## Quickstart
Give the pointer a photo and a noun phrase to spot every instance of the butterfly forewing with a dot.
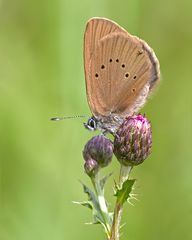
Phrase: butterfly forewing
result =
(96, 29)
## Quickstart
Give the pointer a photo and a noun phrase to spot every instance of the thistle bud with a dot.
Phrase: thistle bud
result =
(133, 140)
(100, 149)
(91, 167)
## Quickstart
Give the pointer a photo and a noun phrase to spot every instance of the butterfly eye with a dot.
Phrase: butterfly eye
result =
(92, 123)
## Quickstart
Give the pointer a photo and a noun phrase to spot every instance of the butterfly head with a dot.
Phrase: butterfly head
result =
(105, 124)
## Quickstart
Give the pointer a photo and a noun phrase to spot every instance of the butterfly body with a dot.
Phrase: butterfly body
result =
(120, 71)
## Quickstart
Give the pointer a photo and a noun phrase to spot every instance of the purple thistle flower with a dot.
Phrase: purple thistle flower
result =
(133, 140)
(100, 149)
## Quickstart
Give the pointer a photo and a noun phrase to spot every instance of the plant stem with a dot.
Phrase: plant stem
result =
(102, 203)
(124, 175)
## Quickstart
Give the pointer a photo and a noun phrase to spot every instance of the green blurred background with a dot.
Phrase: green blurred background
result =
(41, 76)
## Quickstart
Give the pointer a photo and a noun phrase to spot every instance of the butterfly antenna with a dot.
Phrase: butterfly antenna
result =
(67, 117)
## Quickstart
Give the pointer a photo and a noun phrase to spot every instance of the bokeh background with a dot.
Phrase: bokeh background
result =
(41, 76)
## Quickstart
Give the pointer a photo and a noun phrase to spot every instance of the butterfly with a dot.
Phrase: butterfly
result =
(121, 71)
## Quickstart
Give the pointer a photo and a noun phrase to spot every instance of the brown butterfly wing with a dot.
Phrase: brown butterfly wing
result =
(120, 70)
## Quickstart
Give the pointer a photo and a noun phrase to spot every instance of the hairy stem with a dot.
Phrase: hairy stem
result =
(124, 175)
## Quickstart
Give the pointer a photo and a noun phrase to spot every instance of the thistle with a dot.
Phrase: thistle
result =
(132, 145)
(100, 149)
(133, 141)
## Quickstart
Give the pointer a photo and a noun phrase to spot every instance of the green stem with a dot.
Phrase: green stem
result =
(124, 175)
(102, 203)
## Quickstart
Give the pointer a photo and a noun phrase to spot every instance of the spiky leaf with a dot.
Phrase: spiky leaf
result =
(87, 204)
(123, 194)
(91, 197)
(97, 215)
